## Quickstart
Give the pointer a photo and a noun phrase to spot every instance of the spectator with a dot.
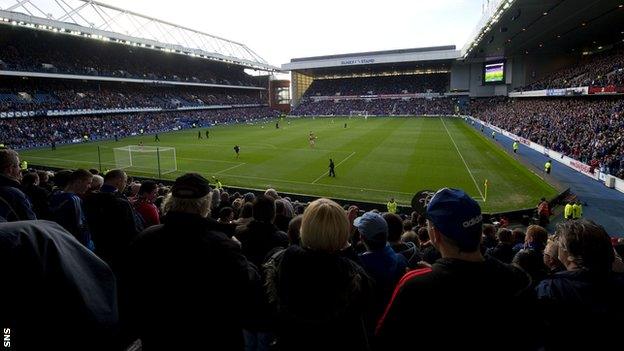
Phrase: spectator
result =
(207, 278)
(144, 204)
(51, 277)
(315, 290)
(503, 251)
(531, 258)
(282, 217)
(245, 216)
(544, 212)
(407, 249)
(489, 237)
(113, 221)
(429, 252)
(551, 257)
(14, 204)
(67, 207)
(226, 215)
(586, 292)
(96, 183)
(261, 236)
(380, 261)
(38, 195)
(461, 285)
(294, 230)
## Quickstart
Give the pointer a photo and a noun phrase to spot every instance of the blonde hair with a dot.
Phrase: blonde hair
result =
(200, 206)
(324, 226)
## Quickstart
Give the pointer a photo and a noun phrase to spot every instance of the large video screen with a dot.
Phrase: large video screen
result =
(494, 72)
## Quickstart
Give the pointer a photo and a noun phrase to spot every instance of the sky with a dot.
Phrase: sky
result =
(279, 30)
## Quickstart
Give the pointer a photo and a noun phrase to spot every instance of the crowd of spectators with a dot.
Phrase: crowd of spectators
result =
(589, 130)
(43, 131)
(379, 107)
(37, 95)
(397, 84)
(599, 69)
(38, 51)
(126, 262)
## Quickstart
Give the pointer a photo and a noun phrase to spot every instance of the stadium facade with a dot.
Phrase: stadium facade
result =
(523, 39)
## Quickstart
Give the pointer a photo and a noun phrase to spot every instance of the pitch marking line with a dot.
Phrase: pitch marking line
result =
(462, 157)
(230, 168)
(326, 173)
(318, 184)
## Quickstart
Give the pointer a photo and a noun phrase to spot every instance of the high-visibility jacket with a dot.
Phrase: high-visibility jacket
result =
(577, 211)
(567, 211)
(392, 206)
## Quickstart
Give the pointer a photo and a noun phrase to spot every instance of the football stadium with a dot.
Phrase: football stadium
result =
(164, 188)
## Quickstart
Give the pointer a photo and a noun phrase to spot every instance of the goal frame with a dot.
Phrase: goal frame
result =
(157, 151)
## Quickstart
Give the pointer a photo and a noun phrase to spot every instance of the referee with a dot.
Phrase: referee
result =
(332, 173)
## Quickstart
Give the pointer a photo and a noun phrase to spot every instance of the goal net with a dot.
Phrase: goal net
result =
(156, 160)
(358, 113)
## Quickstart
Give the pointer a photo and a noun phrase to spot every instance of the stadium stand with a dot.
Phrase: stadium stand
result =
(42, 131)
(38, 95)
(586, 129)
(396, 84)
(35, 51)
(599, 69)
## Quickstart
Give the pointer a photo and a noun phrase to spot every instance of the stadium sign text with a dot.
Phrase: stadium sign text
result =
(357, 62)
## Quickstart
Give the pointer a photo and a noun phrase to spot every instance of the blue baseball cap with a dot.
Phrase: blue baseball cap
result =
(372, 226)
(457, 216)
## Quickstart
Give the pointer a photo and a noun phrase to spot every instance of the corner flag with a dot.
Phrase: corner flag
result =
(486, 189)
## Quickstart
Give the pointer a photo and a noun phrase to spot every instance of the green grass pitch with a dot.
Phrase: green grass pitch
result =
(376, 158)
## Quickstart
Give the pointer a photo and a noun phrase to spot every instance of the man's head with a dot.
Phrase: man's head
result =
(264, 209)
(116, 178)
(455, 221)
(536, 235)
(504, 236)
(96, 183)
(148, 191)
(272, 193)
(30, 179)
(79, 181)
(395, 226)
(373, 229)
(489, 231)
(584, 244)
(9, 164)
(189, 194)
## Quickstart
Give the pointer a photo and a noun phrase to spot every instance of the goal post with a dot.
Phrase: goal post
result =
(153, 160)
(358, 114)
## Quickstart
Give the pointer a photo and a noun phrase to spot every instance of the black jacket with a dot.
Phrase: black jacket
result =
(39, 198)
(451, 300)
(502, 252)
(592, 302)
(258, 239)
(319, 300)
(56, 294)
(113, 223)
(183, 286)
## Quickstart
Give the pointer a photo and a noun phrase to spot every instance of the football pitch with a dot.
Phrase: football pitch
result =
(376, 158)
